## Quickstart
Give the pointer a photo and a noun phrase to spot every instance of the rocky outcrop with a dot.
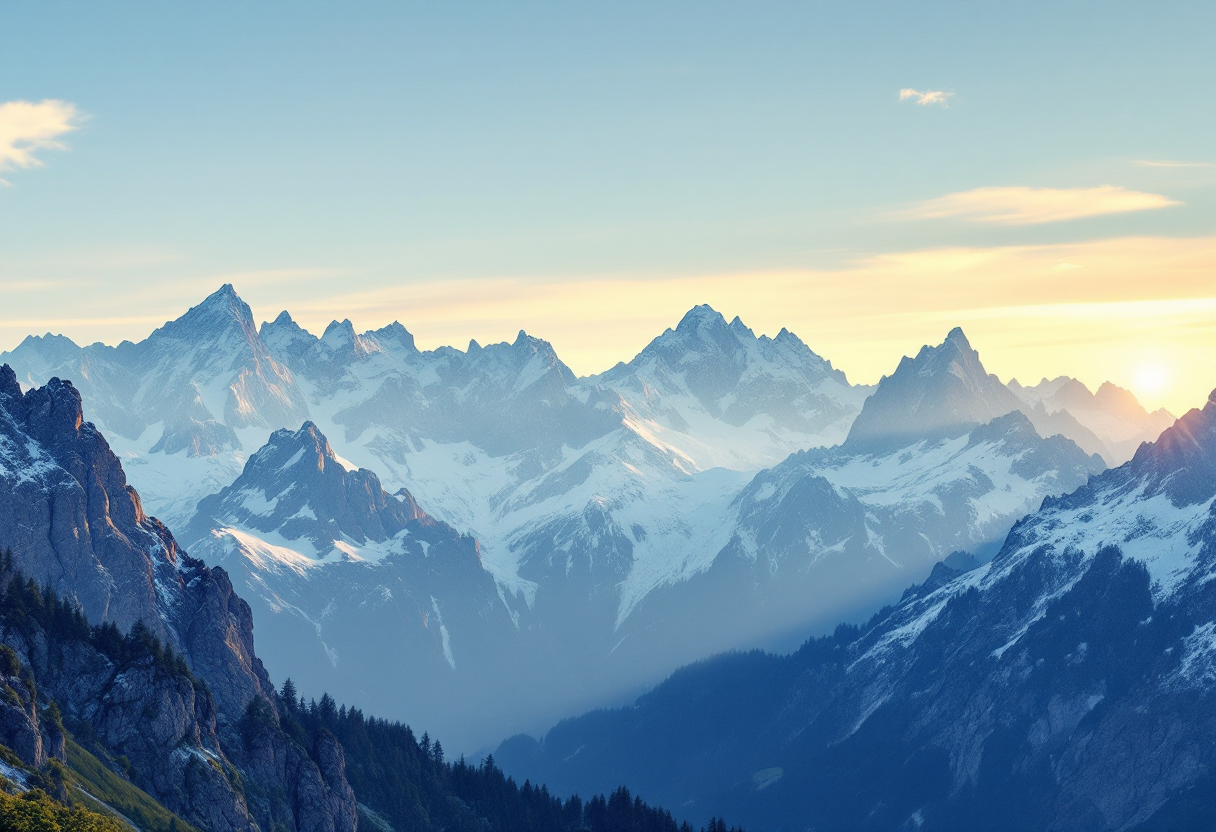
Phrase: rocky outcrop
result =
(75, 525)
(20, 730)
(144, 708)
(66, 508)
(314, 781)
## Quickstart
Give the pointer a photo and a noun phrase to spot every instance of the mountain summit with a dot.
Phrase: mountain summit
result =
(944, 391)
(298, 487)
(720, 395)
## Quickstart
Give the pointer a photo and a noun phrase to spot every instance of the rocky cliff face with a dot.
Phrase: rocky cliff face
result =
(160, 719)
(20, 729)
(74, 524)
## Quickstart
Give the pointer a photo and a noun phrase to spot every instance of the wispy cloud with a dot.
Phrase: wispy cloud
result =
(938, 97)
(1031, 206)
(1165, 163)
(27, 127)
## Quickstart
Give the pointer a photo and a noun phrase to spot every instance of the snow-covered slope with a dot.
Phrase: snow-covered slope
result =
(833, 533)
(717, 395)
(1112, 415)
(1066, 684)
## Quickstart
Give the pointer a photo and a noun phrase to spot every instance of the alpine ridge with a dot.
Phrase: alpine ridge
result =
(1065, 684)
(589, 534)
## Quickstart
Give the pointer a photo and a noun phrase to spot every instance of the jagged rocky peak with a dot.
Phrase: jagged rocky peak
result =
(393, 336)
(716, 354)
(704, 320)
(705, 325)
(213, 349)
(518, 365)
(284, 447)
(340, 336)
(1182, 462)
(954, 355)
(943, 391)
(283, 336)
(530, 346)
(219, 312)
(222, 319)
(326, 358)
(297, 485)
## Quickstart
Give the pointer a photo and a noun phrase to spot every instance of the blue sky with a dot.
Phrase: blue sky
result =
(589, 171)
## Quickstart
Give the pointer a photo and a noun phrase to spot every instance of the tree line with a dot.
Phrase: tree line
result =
(410, 782)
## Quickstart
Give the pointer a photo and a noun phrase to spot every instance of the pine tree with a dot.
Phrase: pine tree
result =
(288, 693)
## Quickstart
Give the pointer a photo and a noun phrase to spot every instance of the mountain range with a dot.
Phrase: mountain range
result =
(1064, 684)
(133, 698)
(544, 543)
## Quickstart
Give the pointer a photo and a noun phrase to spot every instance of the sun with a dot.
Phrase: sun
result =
(1151, 378)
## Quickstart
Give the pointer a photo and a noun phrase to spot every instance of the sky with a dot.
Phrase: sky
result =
(867, 175)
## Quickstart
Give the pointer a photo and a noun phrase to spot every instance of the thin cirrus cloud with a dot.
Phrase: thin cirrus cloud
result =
(1032, 206)
(1166, 163)
(27, 127)
(938, 97)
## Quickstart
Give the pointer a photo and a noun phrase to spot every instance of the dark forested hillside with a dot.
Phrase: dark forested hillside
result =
(402, 782)
(408, 782)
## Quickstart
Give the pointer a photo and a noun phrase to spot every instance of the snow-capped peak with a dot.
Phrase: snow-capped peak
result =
(220, 308)
(297, 487)
(943, 391)
(393, 336)
(340, 337)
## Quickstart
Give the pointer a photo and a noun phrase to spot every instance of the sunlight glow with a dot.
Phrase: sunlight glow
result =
(1151, 379)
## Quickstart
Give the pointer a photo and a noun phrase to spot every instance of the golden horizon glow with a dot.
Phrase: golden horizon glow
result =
(1077, 309)
(1084, 310)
